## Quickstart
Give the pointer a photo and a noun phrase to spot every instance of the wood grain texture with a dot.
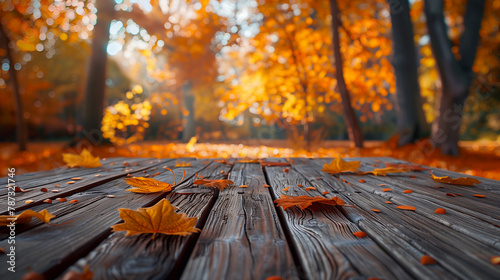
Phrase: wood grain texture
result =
(140, 257)
(324, 237)
(408, 235)
(243, 238)
(91, 219)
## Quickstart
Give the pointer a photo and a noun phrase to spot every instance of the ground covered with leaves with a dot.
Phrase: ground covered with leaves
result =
(476, 158)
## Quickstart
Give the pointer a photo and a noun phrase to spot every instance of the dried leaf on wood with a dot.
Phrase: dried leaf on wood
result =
(84, 159)
(160, 218)
(383, 171)
(149, 185)
(25, 217)
(338, 165)
(182, 164)
(456, 181)
(220, 184)
(305, 201)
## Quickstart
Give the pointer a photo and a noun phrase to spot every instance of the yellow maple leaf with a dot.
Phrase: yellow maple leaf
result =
(220, 184)
(455, 181)
(25, 217)
(84, 159)
(383, 171)
(160, 218)
(338, 165)
(182, 164)
(150, 185)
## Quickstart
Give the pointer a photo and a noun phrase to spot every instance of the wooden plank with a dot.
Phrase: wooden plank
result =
(87, 182)
(91, 219)
(243, 238)
(140, 257)
(323, 236)
(408, 235)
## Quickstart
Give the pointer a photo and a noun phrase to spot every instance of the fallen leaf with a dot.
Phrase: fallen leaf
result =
(25, 217)
(110, 196)
(310, 188)
(182, 164)
(286, 170)
(325, 192)
(285, 189)
(450, 194)
(243, 186)
(362, 181)
(28, 201)
(47, 200)
(383, 171)
(479, 195)
(440, 211)
(220, 184)
(150, 185)
(70, 182)
(266, 186)
(388, 202)
(62, 199)
(359, 234)
(495, 260)
(455, 181)
(305, 201)
(76, 178)
(425, 260)
(412, 167)
(160, 218)
(18, 189)
(85, 159)
(381, 185)
(375, 210)
(405, 207)
(458, 194)
(73, 201)
(386, 190)
(299, 185)
(338, 165)
(407, 191)
(43, 190)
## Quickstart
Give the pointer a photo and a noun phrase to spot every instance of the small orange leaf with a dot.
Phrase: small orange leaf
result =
(375, 210)
(62, 199)
(47, 200)
(495, 260)
(388, 202)
(220, 184)
(458, 194)
(76, 178)
(386, 190)
(359, 234)
(305, 201)
(381, 185)
(450, 194)
(479, 195)
(70, 182)
(28, 201)
(160, 218)
(43, 190)
(426, 260)
(182, 164)
(338, 165)
(405, 207)
(310, 188)
(110, 196)
(362, 181)
(73, 201)
(407, 191)
(25, 217)
(266, 186)
(18, 189)
(286, 170)
(285, 189)
(299, 185)
(456, 181)
(84, 159)
(325, 192)
(243, 186)
(440, 211)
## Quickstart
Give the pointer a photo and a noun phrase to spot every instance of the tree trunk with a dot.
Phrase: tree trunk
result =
(21, 129)
(411, 119)
(456, 75)
(96, 75)
(353, 129)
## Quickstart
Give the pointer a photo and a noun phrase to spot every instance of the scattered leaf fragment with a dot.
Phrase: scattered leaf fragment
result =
(110, 196)
(405, 207)
(362, 181)
(57, 185)
(84, 159)
(495, 260)
(149, 185)
(441, 211)
(381, 185)
(70, 182)
(76, 178)
(62, 199)
(243, 186)
(325, 192)
(55, 191)
(182, 164)
(386, 190)
(47, 200)
(338, 165)
(266, 186)
(426, 260)
(455, 181)
(299, 185)
(388, 202)
(450, 194)
(28, 201)
(73, 201)
(310, 188)
(43, 190)
(97, 175)
(375, 210)
(359, 234)
(479, 195)
(285, 189)
(159, 218)
(18, 189)
(407, 191)
(220, 184)
(286, 170)
(458, 194)
(305, 201)
(25, 217)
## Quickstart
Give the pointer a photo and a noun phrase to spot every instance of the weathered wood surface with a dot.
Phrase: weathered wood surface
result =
(244, 236)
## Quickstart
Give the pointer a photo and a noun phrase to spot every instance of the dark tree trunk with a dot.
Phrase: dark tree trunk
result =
(95, 86)
(189, 128)
(21, 129)
(411, 119)
(456, 75)
(352, 125)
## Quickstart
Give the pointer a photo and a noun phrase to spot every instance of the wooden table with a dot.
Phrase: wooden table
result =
(245, 236)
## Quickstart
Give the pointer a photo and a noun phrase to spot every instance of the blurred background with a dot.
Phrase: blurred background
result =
(416, 80)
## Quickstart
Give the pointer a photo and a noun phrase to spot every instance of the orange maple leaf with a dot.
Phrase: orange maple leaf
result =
(383, 171)
(25, 217)
(220, 184)
(84, 159)
(412, 167)
(338, 165)
(149, 185)
(456, 181)
(305, 201)
(182, 164)
(160, 218)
